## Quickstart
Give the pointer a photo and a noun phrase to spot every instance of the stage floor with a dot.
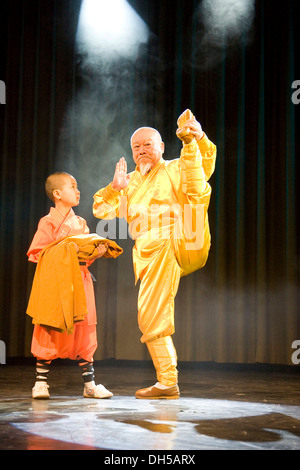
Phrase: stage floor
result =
(220, 408)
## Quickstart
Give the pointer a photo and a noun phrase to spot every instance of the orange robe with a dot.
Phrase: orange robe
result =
(47, 343)
(57, 298)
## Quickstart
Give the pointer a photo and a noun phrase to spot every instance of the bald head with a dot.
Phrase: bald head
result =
(147, 147)
(55, 181)
(150, 131)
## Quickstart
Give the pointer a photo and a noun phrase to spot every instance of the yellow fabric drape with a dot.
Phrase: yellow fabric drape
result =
(57, 298)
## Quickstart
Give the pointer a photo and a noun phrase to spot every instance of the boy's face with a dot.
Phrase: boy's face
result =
(68, 194)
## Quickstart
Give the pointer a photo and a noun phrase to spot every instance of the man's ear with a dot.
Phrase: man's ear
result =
(162, 146)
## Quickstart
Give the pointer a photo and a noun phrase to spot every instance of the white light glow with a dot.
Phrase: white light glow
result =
(227, 18)
(110, 27)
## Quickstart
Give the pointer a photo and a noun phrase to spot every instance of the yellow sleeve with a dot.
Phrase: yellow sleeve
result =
(106, 203)
(209, 152)
(192, 175)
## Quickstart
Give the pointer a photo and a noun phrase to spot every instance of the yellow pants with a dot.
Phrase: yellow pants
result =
(158, 288)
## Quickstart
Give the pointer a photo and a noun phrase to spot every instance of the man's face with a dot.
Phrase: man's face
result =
(147, 147)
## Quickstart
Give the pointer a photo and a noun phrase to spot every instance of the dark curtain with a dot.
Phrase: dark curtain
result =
(243, 306)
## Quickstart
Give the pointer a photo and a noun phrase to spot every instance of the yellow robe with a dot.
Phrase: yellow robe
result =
(167, 215)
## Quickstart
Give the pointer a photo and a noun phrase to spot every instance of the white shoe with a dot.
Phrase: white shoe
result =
(40, 390)
(98, 392)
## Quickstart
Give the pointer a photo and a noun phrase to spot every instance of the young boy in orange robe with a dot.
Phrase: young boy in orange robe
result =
(49, 344)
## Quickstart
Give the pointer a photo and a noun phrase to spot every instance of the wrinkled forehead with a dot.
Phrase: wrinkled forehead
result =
(145, 133)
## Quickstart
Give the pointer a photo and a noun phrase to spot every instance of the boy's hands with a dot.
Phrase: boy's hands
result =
(76, 246)
(101, 250)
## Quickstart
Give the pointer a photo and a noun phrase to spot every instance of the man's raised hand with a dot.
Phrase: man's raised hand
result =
(121, 178)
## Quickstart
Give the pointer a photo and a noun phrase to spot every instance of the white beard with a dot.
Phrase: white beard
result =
(145, 168)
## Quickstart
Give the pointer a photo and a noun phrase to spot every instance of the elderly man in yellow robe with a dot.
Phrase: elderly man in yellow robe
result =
(165, 203)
